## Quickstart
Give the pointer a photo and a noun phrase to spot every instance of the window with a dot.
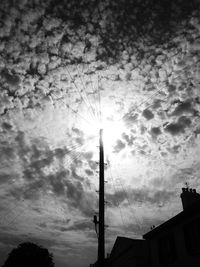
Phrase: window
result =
(192, 237)
(166, 249)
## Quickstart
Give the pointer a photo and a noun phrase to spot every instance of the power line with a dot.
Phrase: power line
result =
(143, 102)
(84, 88)
(78, 155)
(99, 94)
(74, 111)
(9, 223)
(94, 93)
(132, 211)
(79, 93)
(118, 204)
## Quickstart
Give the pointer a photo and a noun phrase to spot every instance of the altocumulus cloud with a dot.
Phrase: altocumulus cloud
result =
(143, 58)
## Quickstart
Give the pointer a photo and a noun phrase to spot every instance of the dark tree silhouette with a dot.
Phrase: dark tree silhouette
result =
(29, 254)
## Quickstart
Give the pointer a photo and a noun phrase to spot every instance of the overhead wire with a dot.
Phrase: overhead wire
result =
(94, 93)
(79, 116)
(9, 223)
(75, 157)
(125, 117)
(79, 92)
(68, 106)
(93, 90)
(15, 217)
(100, 111)
(74, 149)
(99, 94)
(84, 89)
(77, 113)
(138, 221)
(93, 110)
(93, 114)
(133, 213)
(5, 217)
(118, 204)
(78, 154)
(74, 146)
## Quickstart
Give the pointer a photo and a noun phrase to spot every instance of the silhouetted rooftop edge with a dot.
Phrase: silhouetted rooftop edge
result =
(195, 208)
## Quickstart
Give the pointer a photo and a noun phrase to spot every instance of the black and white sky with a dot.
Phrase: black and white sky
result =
(64, 64)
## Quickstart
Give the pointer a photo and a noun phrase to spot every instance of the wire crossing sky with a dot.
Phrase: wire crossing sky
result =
(67, 69)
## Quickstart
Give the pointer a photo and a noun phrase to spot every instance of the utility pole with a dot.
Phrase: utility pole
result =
(101, 240)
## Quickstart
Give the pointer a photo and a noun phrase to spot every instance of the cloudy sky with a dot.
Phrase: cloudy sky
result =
(70, 67)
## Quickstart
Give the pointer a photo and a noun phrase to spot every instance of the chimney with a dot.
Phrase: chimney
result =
(189, 197)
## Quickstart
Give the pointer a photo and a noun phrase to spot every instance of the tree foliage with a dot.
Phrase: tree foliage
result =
(29, 254)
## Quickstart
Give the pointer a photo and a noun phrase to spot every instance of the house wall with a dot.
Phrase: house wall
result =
(129, 260)
(182, 257)
(135, 257)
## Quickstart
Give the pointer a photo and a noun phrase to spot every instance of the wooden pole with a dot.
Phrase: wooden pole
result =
(101, 241)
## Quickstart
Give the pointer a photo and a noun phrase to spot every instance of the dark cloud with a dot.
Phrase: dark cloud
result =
(142, 152)
(75, 191)
(172, 88)
(128, 138)
(143, 129)
(75, 175)
(179, 126)
(93, 164)
(79, 226)
(183, 108)
(155, 132)
(148, 114)
(119, 146)
(42, 225)
(130, 118)
(79, 140)
(11, 79)
(77, 131)
(79, 198)
(32, 190)
(156, 104)
(175, 149)
(197, 131)
(57, 182)
(60, 153)
(154, 21)
(133, 152)
(116, 198)
(6, 126)
(35, 158)
(62, 185)
(148, 196)
(23, 148)
(88, 155)
(7, 151)
(5, 178)
(89, 172)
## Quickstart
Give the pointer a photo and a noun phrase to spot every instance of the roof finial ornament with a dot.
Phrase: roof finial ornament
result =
(187, 185)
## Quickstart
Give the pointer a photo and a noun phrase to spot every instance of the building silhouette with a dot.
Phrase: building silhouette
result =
(174, 243)
(128, 252)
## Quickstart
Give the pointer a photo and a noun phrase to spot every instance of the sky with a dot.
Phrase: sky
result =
(68, 68)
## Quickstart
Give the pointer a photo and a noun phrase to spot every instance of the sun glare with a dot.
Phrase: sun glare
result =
(112, 131)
